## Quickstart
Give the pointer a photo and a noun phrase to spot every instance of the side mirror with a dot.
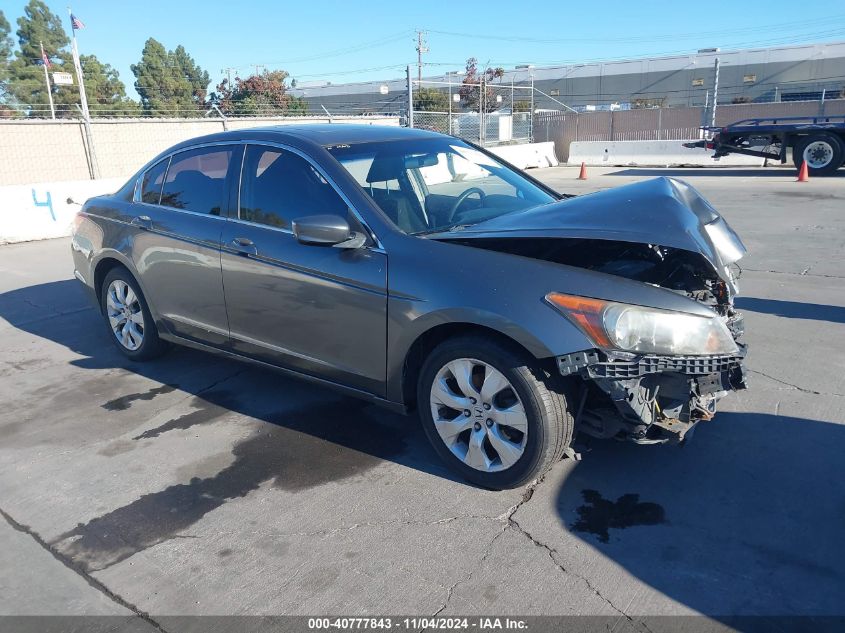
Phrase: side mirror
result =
(326, 230)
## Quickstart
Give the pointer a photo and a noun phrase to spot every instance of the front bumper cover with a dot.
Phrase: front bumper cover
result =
(654, 398)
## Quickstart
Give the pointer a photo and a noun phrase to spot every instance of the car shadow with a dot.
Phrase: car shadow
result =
(792, 309)
(61, 312)
(722, 172)
(747, 519)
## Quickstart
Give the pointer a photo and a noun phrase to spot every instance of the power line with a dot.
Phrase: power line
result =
(785, 26)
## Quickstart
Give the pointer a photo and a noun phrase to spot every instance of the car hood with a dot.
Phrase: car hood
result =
(662, 212)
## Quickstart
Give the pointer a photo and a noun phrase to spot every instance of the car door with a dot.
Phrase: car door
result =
(181, 209)
(321, 310)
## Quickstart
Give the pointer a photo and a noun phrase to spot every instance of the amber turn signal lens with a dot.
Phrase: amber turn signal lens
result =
(585, 312)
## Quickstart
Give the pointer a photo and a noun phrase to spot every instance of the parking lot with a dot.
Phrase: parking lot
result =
(197, 485)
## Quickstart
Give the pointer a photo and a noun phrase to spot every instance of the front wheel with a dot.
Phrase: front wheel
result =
(823, 154)
(492, 413)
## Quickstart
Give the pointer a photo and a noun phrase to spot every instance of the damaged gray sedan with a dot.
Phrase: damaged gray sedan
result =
(424, 274)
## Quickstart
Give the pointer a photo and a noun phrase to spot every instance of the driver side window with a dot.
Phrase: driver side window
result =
(279, 186)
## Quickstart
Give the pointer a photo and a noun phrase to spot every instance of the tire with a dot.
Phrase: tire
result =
(127, 317)
(824, 152)
(501, 456)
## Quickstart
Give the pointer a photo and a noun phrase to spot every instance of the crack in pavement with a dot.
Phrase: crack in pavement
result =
(79, 571)
(504, 518)
(509, 522)
(803, 273)
(794, 386)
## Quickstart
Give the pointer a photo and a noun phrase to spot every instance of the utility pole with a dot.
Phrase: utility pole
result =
(257, 66)
(228, 72)
(421, 48)
(715, 92)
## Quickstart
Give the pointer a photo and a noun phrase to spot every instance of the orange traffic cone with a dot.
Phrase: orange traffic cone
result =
(583, 174)
(803, 174)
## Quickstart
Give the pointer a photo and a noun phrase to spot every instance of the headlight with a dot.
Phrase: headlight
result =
(633, 328)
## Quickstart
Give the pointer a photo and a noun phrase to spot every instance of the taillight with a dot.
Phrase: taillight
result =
(77, 221)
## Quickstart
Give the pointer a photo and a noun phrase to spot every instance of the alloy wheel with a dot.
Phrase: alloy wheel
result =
(478, 415)
(126, 318)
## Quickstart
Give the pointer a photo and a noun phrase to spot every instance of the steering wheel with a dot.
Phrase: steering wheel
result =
(466, 194)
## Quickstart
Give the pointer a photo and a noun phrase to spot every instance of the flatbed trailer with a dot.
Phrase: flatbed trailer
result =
(818, 140)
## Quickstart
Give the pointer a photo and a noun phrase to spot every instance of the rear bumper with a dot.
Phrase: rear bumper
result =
(651, 399)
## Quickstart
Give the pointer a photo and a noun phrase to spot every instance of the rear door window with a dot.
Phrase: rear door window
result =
(196, 180)
(151, 184)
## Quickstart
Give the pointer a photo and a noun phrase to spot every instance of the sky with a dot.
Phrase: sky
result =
(360, 41)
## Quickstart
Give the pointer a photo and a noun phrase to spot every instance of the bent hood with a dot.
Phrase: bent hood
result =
(662, 211)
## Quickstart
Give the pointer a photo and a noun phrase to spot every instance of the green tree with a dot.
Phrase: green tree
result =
(265, 93)
(105, 91)
(431, 100)
(195, 76)
(6, 44)
(170, 83)
(26, 74)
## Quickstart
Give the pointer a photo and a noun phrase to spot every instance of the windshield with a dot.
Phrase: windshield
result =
(433, 185)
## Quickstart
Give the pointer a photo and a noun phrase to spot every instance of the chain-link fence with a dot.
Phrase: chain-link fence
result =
(485, 112)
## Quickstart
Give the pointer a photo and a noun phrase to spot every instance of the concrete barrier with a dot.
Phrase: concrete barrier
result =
(650, 154)
(41, 211)
(528, 155)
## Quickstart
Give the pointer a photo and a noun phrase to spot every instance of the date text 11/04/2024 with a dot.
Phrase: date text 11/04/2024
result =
(416, 624)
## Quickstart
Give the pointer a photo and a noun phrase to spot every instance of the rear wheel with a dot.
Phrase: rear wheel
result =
(491, 412)
(823, 153)
(128, 316)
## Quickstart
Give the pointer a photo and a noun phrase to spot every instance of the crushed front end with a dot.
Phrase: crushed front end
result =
(650, 399)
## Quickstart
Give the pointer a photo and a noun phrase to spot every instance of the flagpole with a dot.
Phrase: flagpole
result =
(47, 81)
(78, 66)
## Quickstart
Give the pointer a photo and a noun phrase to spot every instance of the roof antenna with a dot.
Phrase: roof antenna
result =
(328, 114)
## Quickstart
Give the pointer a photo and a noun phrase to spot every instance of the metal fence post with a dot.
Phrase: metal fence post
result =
(481, 130)
(659, 122)
(410, 97)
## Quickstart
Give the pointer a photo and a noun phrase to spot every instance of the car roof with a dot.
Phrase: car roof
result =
(322, 134)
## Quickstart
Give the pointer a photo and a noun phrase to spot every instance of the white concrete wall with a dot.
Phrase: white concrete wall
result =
(528, 155)
(650, 154)
(41, 211)
(47, 151)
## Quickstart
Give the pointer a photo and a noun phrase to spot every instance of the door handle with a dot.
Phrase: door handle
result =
(244, 246)
(142, 221)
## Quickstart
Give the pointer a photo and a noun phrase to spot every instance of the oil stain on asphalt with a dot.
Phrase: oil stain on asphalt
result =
(206, 413)
(297, 450)
(598, 515)
(124, 402)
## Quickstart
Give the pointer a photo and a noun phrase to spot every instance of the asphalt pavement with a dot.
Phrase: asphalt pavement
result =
(198, 485)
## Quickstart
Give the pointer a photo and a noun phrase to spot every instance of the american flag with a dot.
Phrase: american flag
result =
(44, 59)
(76, 23)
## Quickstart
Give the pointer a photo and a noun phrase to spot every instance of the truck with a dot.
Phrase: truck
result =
(817, 140)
